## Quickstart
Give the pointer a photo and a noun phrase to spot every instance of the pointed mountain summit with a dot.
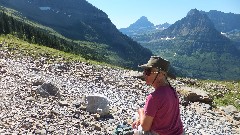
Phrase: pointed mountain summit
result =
(143, 26)
(143, 22)
(193, 12)
(195, 26)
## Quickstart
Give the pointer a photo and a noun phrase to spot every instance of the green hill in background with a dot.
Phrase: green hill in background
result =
(84, 30)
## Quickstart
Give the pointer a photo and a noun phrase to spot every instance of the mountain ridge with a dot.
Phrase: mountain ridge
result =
(83, 22)
(224, 22)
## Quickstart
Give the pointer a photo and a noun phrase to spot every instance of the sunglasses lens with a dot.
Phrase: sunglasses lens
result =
(147, 71)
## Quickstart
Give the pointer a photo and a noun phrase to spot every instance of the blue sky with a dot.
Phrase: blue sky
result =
(125, 12)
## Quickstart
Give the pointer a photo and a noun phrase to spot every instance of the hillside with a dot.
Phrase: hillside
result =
(80, 21)
(196, 48)
(234, 35)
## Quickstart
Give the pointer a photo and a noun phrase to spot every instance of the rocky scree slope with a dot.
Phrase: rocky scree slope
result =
(24, 111)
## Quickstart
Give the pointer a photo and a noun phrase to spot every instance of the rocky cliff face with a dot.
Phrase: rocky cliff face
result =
(224, 22)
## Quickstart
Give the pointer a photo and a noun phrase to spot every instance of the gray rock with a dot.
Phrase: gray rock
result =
(97, 127)
(196, 95)
(51, 129)
(37, 82)
(63, 103)
(48, 89)
(30, 99)
(237, 116)
(41, 131)
(97, 104)
(230, 109)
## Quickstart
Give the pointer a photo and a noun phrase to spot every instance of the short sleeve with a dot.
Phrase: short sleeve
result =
(151, 105)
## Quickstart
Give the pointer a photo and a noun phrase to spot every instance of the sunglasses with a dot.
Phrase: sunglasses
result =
(147, 71)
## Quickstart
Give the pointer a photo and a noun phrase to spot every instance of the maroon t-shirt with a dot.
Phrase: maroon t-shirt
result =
(163, 105)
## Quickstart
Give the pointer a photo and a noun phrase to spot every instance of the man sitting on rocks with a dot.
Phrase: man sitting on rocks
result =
(161, 113)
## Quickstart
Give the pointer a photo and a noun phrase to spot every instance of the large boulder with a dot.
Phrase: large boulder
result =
(195, 95)
(97, 104)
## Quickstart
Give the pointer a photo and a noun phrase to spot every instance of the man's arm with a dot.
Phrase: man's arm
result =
(145, 120)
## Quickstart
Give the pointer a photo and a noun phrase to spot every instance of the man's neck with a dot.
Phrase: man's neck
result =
(159, 84)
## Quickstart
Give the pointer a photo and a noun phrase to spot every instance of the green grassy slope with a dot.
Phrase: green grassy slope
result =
(18, 48)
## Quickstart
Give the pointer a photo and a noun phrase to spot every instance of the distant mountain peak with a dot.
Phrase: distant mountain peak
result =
(143, 18)
(143, 22)
(194, 26)
(143, 25)
(197, 19)
(193, 12)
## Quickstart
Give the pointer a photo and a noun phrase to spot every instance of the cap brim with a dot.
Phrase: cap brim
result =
(145, 66)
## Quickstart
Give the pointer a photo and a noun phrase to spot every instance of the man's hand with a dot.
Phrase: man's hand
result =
(135, 124)
(145, 120)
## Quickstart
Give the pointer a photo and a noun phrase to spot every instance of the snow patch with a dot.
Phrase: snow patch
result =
(167, 38)
(223, 33)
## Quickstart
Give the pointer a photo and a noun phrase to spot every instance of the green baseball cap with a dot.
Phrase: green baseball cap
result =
(159, 63)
